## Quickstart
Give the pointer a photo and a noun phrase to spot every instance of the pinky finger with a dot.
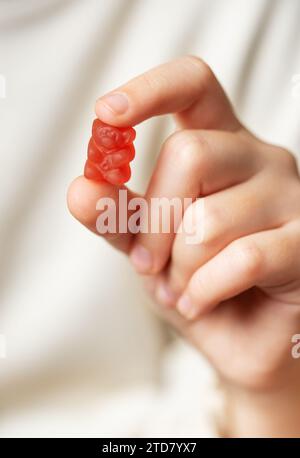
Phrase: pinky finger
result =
(265, 259)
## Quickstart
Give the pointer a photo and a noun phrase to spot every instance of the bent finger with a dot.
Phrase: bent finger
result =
(264, 259)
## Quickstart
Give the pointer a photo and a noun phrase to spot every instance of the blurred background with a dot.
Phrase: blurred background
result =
(84, 355)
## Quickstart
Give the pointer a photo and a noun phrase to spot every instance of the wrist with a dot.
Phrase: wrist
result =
(262, 413)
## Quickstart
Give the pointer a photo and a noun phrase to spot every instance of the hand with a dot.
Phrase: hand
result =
(236, 295)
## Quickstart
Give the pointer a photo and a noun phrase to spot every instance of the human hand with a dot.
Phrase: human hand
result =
(236, 295)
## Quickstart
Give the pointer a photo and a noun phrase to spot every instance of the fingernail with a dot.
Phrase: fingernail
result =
(116, 103)
(186, 307)
(141, 259)
(165, 294)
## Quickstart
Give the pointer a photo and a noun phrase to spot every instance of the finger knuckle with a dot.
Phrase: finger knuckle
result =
(204, 71)
(213, 222)
(249, 257)
(188, 151)
(285, 159)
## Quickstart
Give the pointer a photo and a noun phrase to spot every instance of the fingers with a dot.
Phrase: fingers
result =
(186, 87)
(85, 204)
(191, 163)
(224, 217)
(263, 259)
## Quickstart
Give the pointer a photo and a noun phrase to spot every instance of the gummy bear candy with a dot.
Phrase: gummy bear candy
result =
(110, 150)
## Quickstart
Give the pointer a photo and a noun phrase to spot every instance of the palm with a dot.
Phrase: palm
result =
(247, 339)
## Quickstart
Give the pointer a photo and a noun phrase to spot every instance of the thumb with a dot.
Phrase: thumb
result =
(84, 197)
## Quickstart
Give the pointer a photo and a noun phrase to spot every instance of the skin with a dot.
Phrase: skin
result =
(236, 295)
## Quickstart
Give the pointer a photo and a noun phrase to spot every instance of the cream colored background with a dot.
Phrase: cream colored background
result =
(84, 354)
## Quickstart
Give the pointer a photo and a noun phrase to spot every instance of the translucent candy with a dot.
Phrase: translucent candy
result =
(110, 150)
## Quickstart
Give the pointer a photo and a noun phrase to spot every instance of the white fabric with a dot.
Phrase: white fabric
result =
(84, 354)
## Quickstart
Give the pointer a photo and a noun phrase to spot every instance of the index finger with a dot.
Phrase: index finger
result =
(186, 87)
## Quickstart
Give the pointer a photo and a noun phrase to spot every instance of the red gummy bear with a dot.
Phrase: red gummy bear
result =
(109, 152)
